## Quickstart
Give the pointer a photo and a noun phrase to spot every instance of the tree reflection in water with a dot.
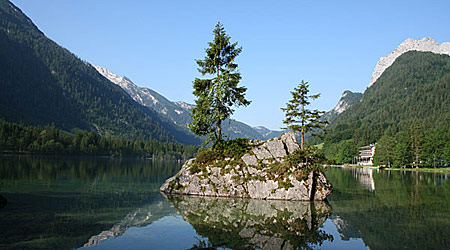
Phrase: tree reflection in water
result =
(248, 224)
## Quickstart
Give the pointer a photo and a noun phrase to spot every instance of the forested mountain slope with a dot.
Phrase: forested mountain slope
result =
(415, 87)
(43, 83)
(409, 105)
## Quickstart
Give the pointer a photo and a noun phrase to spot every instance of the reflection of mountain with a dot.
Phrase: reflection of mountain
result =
(138, 218)
(250, 223)
(59, 203)
(345, 231)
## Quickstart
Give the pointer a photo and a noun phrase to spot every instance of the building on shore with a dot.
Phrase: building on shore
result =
(366, 154)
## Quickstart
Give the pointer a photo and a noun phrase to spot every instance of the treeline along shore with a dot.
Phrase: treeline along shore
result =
(48, 140)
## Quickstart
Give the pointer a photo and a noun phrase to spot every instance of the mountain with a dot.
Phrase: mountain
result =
(415, 87)
(406, 111)
(267, 133)
(348, 98)
(179, 112)
(426, 44)
(44, 83)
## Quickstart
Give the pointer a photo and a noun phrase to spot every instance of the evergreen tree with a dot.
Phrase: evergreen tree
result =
(217, 95)
(298, 117)
(402, 152)
(384, 152)
(415, 136)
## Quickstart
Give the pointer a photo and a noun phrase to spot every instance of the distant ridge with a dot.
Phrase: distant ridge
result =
(43, 83)
(179, 112)
(426, 44)
(348, 98)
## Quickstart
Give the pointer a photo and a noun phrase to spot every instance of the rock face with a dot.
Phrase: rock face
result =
(426, 44)
(177, 112)
(255, 176)
(255, 224)
(348, 98)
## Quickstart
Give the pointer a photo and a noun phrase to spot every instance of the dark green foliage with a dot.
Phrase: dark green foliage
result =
(216, 96)
(342, 152)
(298, 117)
(411, 100)
(307, 156)
(299, 164)
(415, 136)
(233, 149)
(44, 83)
(385, 151)
(19, 138)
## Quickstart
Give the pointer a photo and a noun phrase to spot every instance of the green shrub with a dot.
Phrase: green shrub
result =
(233, 149)
(308, 156)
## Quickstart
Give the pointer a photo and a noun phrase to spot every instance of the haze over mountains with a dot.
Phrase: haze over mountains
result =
(43, 83)
(179, 112)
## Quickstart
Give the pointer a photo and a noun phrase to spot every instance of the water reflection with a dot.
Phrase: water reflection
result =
(365, 177)
(410, 210)
(61, 203)
(140, 217)
(250, 224)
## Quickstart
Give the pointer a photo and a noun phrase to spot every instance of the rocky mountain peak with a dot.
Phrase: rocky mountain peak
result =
(185, 105)
(109, 75)
(348, 98)
(426, 44)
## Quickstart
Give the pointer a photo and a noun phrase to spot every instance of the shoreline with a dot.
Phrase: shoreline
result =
(424, 169)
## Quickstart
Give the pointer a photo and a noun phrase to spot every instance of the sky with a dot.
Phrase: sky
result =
(333, 45)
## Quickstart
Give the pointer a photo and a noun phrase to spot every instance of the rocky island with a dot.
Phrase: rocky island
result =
(252, 169)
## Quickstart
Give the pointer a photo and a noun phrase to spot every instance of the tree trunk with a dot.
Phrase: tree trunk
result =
(303, 125)
(219, 121)
(417, 157)
(219, 129)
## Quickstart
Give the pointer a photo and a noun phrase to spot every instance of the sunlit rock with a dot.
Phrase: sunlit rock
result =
(253, 176)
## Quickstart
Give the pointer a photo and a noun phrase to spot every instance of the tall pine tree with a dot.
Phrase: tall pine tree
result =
(217, 95)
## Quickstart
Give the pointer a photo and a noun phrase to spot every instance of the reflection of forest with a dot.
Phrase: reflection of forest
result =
(410, 210)
(60, 203)
(248, 223)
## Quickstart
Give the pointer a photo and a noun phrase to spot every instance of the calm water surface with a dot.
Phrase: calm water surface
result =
(59, 203)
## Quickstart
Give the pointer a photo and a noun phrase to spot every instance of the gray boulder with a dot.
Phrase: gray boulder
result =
(254, 177)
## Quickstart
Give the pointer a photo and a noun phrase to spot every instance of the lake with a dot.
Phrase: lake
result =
(102, 203)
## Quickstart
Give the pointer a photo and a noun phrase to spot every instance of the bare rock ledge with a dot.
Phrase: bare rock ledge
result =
(252, 178)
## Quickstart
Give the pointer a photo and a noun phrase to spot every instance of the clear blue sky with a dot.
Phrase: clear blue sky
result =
(334, 45)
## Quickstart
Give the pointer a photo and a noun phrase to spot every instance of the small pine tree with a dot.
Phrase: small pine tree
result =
(298, 117)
